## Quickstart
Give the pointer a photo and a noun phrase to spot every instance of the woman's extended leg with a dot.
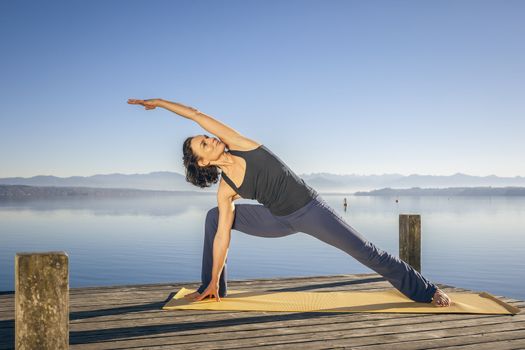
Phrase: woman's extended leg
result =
(253, 219)
(324, 223)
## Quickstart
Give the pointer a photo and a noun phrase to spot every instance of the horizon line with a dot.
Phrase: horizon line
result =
(302, 174)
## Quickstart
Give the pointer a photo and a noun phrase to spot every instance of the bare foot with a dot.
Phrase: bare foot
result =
(441, 299)
(192, 295)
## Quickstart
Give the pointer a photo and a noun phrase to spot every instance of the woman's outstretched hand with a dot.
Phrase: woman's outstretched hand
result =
(212, 290)
(148, 104)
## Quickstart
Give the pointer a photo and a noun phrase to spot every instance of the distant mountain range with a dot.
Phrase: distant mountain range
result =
(454, 191)
(160, 181)
(322, 182)
(352, 183)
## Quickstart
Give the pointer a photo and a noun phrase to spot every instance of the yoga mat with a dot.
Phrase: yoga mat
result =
(390, 300)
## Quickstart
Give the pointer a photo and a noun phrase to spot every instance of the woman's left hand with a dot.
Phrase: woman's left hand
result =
(151, 103)
(212, 290)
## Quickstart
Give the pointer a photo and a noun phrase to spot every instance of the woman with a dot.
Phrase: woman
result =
(250, 170)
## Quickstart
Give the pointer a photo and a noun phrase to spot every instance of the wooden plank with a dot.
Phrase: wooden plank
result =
(225, 329)
(511, 344)
(337, 334)
(479, 340)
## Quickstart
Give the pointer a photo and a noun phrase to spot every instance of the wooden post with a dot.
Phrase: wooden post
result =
(410, 240)
(41, 301)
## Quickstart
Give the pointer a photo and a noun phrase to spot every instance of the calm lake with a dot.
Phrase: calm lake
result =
(470, 242)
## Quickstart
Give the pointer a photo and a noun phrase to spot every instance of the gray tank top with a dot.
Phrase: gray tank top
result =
(271, 182)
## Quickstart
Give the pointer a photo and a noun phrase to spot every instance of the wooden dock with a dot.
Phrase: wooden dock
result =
(131, 317)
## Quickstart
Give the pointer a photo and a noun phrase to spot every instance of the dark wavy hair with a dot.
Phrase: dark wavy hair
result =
(195, 174)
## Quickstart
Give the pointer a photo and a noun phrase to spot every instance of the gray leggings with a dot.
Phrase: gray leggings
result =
(319, 220)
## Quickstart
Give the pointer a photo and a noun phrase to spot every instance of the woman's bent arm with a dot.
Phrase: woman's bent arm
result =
(222, 239)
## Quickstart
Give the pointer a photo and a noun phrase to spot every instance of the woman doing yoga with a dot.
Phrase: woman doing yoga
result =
(288, 205)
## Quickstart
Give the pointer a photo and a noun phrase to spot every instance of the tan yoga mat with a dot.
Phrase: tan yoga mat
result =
(390, 300)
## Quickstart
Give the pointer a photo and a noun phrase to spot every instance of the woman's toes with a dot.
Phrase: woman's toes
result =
(191, 295)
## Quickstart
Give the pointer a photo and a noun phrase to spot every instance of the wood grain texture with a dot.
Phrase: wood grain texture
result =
(130, 317)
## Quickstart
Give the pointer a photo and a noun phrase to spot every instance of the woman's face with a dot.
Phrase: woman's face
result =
(207, 148)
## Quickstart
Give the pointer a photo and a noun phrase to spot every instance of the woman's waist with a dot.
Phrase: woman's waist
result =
(295, 210)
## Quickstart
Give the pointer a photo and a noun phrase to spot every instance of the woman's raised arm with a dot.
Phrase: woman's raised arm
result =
(208, 123)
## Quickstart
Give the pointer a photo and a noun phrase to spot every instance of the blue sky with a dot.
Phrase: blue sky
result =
(363, 87)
